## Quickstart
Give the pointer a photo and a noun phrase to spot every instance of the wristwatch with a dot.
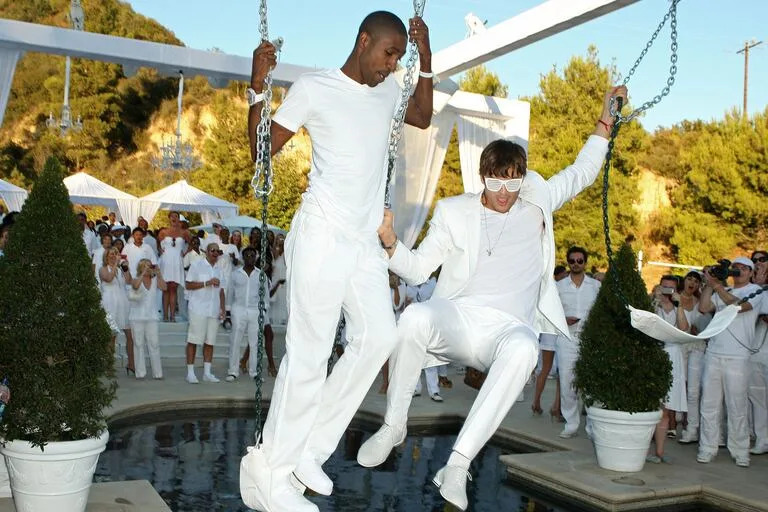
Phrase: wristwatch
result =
(253, 97)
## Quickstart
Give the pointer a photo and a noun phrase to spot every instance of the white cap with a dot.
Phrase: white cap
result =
(744, 261)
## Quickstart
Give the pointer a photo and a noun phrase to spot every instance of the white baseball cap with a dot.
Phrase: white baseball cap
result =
(744, 261)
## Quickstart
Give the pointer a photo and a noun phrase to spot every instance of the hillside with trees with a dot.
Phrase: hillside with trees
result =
(713, 175)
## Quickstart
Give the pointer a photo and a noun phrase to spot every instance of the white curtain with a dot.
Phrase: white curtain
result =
(474, 134)
(8, 60)
(209, 216)
(129, 210)
(414, 188)
(148, 209)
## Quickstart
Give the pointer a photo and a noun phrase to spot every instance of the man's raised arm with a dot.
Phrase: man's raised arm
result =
(419, 112)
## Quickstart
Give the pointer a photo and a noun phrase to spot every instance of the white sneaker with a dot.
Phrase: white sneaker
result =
(568, 433)
(230, 378)
(689, 436)
(192, 379)
(259, 492)
(209, 377)
(376, 449)
(759, 449)
(704, 457)
(436, 397)
(452, 482)
(311, 474)
(742, 462)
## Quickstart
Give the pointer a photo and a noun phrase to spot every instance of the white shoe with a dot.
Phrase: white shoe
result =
(209, 377)
(376, 449)
(759, 449)
(192, 379)
(689, 436)
(259, 492)
(742, 462)
(230, 378)
(452, 482)
(704, 457)
(436, 397)
(568, 433)
(310, 474)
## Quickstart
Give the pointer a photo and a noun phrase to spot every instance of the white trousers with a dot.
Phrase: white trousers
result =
(694, 363)
(145, 336)
(482, 338)
(724, 378)
(566, 354)
(327, 271)
(244, 321)
(758, 398)
(430, 376)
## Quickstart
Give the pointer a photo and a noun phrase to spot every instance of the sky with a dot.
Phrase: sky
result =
(710, 77)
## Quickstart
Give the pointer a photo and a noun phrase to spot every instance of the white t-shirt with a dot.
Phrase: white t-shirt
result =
(741, 332)
(134, 254)
(244, 289)
(509, 278)
(349, 125)
(145, 308)
(577, 300)
(204, 301)
(225, 261)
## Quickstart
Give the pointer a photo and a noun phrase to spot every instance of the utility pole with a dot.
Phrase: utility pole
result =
(745, 51)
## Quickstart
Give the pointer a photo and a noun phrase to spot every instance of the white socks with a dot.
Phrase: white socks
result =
(207, 369)
(190, 369)
(457, 459)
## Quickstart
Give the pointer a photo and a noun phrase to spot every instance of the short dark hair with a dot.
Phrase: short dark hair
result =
(140, 230)
(576, 248)
(758, 252)
(671, 277)
(499, 156)
(249, 249)
(694, 274)
(559, 269)
(381, 21)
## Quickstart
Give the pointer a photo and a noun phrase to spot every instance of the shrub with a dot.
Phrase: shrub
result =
(619, 368)
(54, 338)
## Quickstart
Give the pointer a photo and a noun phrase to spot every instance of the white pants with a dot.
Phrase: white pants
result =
(758, 398)
(566, 354)
(482, 338)
(430, 375)
(244, 321)
(724, 378)
(327, 270)
(145, 335)
(694, 368)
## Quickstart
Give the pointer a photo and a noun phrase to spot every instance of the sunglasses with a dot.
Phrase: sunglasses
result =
(576, 261)
(495, 184)
(760, 259)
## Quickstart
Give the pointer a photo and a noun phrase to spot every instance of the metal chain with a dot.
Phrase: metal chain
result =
(262, 187)
(399, 119)
(672, 16)
(752, 295)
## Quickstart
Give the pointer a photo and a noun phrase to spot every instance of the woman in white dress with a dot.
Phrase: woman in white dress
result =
(173, 241)
(113, 275)
(143, 317)
(667, 301)
(693, 355)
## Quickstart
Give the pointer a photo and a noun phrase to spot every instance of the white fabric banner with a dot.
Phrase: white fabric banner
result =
(474, 134)
(655, 326)
(8, 60)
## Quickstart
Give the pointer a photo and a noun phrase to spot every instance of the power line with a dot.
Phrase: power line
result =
(745, 51)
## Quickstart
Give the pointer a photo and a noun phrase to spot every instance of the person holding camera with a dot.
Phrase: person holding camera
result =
(113, 275)
(143, 316)
(667, 300)
(138, 250)
(726, 362)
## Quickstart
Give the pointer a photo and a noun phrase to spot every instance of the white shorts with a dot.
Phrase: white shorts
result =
(547, 341)
(202, 329)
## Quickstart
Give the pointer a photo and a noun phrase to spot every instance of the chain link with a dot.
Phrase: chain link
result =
(672, 17)
(399, 119)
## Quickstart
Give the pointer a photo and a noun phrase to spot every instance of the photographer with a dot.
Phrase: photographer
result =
(726, 363)
(143, 316)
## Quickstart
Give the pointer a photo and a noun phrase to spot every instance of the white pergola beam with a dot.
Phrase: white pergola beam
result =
(542, 21)
(166, 58)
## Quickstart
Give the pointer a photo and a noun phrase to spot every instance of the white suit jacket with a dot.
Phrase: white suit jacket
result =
(453, 240)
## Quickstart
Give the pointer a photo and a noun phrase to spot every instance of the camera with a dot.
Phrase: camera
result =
(124, 266)
(722, 270)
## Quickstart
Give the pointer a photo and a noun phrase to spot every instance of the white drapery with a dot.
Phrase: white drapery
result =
(474, 134)
(655, 326)
(184, 197)
(86, 190)
(8, 60)
(13, 196)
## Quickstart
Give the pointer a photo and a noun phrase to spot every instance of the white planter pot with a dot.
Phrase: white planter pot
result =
(621, 439)
(58, 478)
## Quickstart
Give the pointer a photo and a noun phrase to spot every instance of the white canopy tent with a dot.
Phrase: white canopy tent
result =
(184, 197)
(13, 196)
(242, 222)
(86, 190)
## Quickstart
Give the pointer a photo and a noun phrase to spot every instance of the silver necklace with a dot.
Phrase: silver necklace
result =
(490, 249)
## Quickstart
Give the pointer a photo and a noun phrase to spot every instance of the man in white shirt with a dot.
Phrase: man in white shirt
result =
(577, 293)
(149, 239)
(495, 295)
(334, 258)
(228, 261)
(244, 286)
(138, 250)
(726, 364)
(206, 309)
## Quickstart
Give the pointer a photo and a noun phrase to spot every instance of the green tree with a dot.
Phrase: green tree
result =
(54, 338)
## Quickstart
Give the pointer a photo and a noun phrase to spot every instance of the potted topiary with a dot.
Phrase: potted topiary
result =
(55, 351)
(622, 374)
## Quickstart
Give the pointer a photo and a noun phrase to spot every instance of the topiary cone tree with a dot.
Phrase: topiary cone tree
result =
(54, 338)
(619, 368)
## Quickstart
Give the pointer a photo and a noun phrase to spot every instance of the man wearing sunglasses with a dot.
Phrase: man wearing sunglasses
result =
(495, 295)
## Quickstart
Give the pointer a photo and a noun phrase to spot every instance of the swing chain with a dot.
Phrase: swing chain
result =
(672, 16)
(399, 119)
(263, 164)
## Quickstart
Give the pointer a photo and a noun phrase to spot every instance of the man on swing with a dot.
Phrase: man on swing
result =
(334, 260)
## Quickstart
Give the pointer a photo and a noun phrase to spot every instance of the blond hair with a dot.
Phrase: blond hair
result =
(106, 254)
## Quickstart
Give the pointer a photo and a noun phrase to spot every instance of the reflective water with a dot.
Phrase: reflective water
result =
(194, 466)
